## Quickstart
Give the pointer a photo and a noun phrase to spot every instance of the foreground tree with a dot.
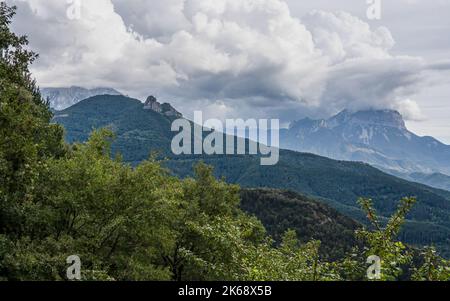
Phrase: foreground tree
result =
(381, 241)
(434, 268)
(26, 135)
(27, 138)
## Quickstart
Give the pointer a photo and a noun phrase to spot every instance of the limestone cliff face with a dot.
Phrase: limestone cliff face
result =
(166, 109)
(377, 137)
(152, 104)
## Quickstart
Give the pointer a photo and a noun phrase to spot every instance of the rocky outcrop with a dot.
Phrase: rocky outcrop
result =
(152, 104)
(377, 137)
(166, 109)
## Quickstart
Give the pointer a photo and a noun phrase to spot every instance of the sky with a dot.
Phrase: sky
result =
(252, 58)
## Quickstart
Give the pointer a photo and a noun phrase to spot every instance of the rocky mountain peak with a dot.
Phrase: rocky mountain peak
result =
(166, 109)
(386, 118)
(377, 137)
(151, 99)
(152, 104)
(62, 98)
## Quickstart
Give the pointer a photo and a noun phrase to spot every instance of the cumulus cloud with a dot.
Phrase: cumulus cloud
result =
(409, 109)
(231, 58)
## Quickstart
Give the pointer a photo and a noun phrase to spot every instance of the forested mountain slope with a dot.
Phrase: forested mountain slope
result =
(338, 183)
(280, 210)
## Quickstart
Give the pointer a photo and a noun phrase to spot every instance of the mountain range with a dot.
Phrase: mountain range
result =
(436, 180)
(62, 98)
(336, 183)
(379, 138)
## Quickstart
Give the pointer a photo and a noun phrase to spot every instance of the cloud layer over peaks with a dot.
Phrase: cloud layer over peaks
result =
(247, 58)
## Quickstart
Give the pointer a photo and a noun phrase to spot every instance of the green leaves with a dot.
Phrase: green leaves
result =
(381, 241)
(27, 140)
(433, 268)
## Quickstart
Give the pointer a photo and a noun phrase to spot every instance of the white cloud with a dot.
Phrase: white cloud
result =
(251, 57)
(410, 110)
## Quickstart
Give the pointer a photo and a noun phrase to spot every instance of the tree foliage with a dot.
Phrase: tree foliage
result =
(26, 136)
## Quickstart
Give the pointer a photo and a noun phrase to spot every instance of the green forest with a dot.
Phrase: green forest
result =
(140, 222)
